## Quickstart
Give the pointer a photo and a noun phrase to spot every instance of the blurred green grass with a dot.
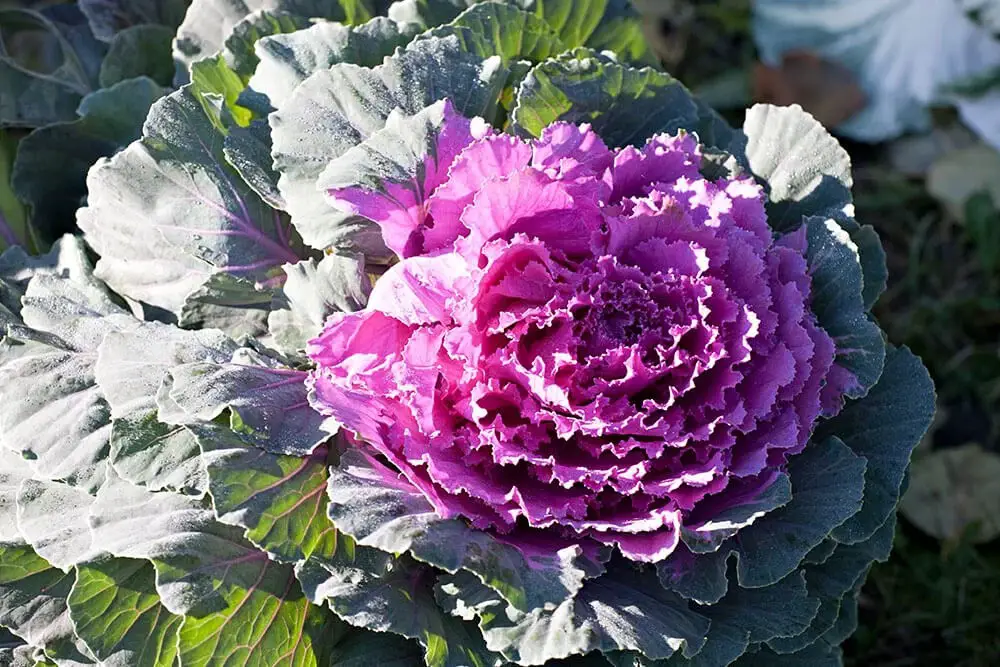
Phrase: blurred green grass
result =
(932, 604)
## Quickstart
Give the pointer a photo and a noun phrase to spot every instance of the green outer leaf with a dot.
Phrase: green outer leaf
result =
(67, 259)
(884, 427)
(131, 369)
(620, 31)
(239, 46)
(52, 517)
(700, 577)
(217, 88)
(32, 99)
(129, 521)
(398, 519)
(501, 29)
(50, 173)
(428, 13)
(13, 471)
(396, 154)
(14, 226)
(709, 536)
(33, 603)
(398, 599)
(237, 604)
(311, 293)
(748, 615)
(802, 167)
(267, 404)
(625, 105)
(141, 50)
(624, 610)
(363, 649)
(337, 108)
(832, 580)
(838, 302)
(18, 656)
(280, 500)
(872, 256)
(222, 226)
(827, 489)
(218, 82)
(235, 305)
(574, 21)
(108, 17)
(52, 412)
(813, 656)
(248, 151)
(209, 23)
(266, 621)
(117, 613)
(288, 60)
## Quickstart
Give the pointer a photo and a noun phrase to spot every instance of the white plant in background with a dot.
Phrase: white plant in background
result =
(908, 55)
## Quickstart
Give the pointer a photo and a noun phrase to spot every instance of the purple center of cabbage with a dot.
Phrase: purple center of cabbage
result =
(578, 343)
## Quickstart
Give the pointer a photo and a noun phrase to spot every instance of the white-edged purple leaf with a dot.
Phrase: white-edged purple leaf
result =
(337, 108)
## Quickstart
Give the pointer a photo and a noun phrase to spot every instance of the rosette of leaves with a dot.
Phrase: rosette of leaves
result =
(169, 497)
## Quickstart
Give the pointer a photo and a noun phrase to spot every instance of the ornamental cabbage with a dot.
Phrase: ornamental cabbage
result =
(592, 344)
(411, 340)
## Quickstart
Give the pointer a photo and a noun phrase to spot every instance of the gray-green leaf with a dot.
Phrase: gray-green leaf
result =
(288, 60)
(884, 427)
(142, 50)
(33, 97)
(50, 172)
(398, 520)
(215, 222)
(804, 170)
(130, 370)
(625, 105)
(267, 404)
(311, 293)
